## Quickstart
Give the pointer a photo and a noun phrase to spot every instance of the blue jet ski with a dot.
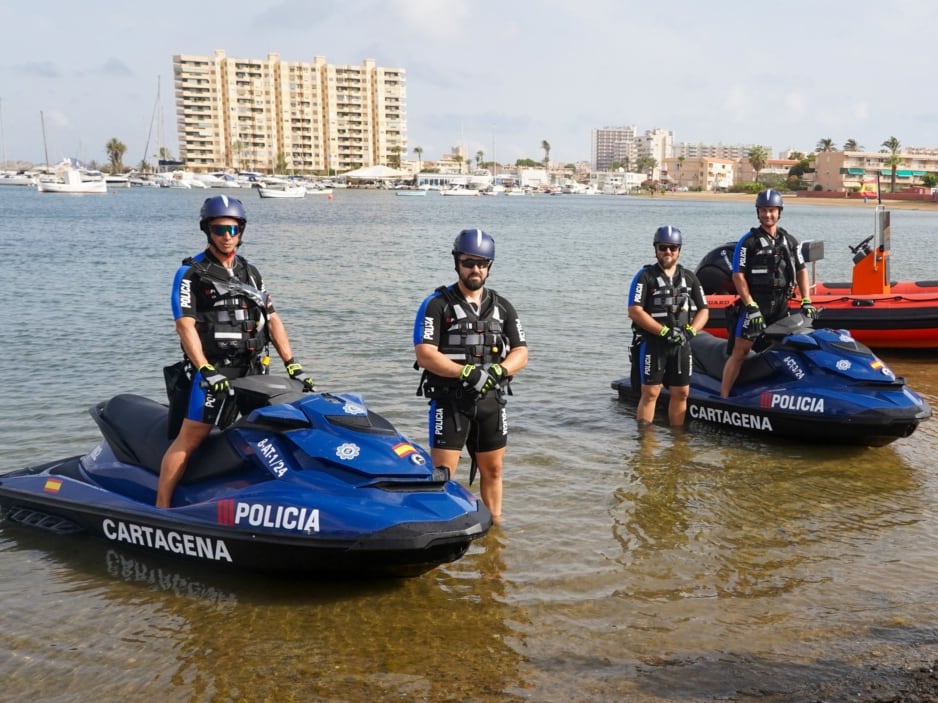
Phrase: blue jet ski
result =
(302, 482)
(804, 383)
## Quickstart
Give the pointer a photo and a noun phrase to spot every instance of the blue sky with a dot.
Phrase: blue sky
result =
(510, 73)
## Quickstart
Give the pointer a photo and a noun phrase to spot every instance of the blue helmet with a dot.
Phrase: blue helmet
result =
(222, 206)
(474, 242)
(770, 198)
(667, 234)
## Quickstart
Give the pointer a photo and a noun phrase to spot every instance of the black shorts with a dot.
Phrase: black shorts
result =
(483, 426)
(660, 362)
(213, 408)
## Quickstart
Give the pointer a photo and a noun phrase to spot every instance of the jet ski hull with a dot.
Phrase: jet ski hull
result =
(365, 502)
(815, 385)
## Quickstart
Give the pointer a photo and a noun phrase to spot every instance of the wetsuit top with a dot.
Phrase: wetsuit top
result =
(670, 301)
(230, 307)
(466, 335)
(769, 264)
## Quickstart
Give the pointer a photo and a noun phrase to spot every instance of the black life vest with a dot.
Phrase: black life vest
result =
(234, 331)
(771, 269)
(467, 338)
(671, 301)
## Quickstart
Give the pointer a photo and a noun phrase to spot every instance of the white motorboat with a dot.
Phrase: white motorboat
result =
(461, 191)
(69, 180)
(16, 179)
(117, 180)
(282, 191)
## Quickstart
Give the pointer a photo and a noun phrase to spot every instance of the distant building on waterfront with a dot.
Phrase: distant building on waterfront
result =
(735, 152)
(613, 145)
(621, 147)
(699, 173)
(280, 116)
(840, 171)
(657, 144)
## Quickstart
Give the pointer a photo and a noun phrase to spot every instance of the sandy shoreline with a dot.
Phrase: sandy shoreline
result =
(792, 199)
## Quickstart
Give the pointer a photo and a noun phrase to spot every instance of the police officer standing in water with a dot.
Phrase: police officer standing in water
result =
(225, 319)
(667, 307)
(469, 342)
(767, 264)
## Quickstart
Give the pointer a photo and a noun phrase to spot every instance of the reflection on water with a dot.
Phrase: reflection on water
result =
(631, 565)
(180, 632)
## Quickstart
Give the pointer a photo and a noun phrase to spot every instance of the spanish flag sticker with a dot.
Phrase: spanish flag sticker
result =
(403, 449)
(52, 485)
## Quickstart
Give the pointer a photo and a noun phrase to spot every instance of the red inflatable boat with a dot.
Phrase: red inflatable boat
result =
(880, 313)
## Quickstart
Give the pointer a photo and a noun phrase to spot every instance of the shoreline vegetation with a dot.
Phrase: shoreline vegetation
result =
(792, 199)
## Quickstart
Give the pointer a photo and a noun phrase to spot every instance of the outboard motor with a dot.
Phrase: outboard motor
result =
(715, 271)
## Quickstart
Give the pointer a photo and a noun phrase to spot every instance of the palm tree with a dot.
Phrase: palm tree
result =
(395, 158)
(680, 170)
(826, 145)
(480, 158)
(545, 145)
(418, 150)
(237, 147)
(757, 159)
(851, 145)
(458, 159)
(892, 145)
(646, 164)
(115, 152)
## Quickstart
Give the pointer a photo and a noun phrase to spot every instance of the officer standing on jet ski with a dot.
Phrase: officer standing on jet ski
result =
(225, 319)
(668, 307)
(469, 341)
(767, 264)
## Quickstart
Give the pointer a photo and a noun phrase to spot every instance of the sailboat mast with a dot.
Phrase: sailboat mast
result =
(494, 159)
(156, 106)
(160, 147)
(3, 144)
(45, 148)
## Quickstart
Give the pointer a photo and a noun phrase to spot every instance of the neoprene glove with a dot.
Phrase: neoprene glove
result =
(494, 374)
(671, 335)
(689, 332)
(473, 377)
(214, 381)
(295, 371)
(754, 321)
(808, 309)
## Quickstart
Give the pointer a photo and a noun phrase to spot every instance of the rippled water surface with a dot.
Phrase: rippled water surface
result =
(654, 566)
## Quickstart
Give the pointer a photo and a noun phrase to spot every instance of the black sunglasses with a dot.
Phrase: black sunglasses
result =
(225, 230)
(668, 247)
(473, 263)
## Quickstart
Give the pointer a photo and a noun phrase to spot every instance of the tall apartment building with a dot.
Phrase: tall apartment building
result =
(612, 144)
(279, 116)
(657, 144)
(715, 151)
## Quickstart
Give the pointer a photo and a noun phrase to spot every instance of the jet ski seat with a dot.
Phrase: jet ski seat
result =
(135, 429)
(709, 354)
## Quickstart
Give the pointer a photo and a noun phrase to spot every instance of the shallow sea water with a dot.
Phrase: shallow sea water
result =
(653, 566)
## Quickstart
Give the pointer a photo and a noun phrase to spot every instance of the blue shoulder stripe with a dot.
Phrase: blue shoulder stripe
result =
(177, 284)
(631, 298)
(739, 248)
(421, 313)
